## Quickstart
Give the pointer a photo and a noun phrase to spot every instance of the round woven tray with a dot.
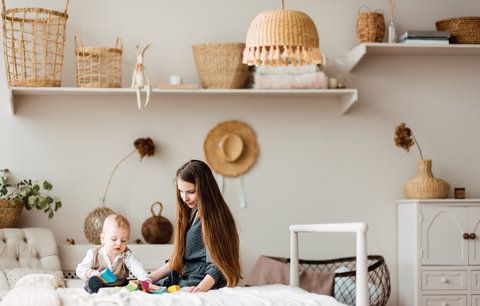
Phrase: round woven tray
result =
(463, 30)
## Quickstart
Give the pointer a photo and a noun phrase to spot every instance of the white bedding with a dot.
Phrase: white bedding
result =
(277, 295)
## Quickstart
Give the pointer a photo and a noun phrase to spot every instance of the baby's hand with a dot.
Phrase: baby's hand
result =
(94, 273)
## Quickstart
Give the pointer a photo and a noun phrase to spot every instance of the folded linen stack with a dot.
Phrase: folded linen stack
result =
(289, 77)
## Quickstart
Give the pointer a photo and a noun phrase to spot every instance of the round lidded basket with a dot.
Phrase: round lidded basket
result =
(9, 214)
(157, 229)
(370, 25)
(219, 65)
(97, 66)
(33, 41)
(463, 30)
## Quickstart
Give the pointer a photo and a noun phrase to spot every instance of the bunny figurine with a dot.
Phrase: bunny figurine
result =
(140, 79)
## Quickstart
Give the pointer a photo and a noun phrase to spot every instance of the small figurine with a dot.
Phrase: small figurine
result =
(140, 79)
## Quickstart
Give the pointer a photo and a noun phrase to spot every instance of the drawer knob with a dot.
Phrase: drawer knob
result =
(444, 304)
(466, 236)
(472, 236)
(444, 280)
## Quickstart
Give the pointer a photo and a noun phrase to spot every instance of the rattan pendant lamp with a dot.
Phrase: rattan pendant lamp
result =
(282, 37)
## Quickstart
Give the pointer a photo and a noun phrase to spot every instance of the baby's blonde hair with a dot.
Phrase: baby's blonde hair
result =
(116, 220)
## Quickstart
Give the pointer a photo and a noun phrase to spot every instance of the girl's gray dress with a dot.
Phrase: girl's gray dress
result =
(196, 263)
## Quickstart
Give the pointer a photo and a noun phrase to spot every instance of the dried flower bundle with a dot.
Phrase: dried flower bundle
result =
(144, 147)
(404, 138)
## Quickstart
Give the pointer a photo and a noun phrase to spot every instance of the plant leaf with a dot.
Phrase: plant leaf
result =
(47, 185)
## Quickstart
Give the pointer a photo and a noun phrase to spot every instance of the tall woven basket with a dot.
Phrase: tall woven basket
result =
(33, 42)
(9, 214)
(370, 25)
(97, 66)
(219, 65)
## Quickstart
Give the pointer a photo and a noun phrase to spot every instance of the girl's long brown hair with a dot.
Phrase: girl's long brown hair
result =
(218, 226)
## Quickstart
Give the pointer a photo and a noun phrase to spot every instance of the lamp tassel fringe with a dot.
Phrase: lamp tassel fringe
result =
(281, 55)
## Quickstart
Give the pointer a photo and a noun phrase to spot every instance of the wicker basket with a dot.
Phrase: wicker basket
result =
(98, 67)
(94, 222)
(464, 30)
(9, 214)
(219, 65)
(370, 25)
(33, 41)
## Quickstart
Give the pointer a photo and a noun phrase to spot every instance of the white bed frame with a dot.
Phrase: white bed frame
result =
(361, 232)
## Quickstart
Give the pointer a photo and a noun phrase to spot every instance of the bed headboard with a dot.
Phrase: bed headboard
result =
(27, 248)
(360, 229)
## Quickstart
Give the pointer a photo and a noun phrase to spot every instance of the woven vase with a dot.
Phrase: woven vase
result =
(370, 25)
(424, 185)
(9, 214)
(94, 223)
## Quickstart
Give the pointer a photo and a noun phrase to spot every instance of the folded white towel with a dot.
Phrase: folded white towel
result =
(317, 80)
(290, 69)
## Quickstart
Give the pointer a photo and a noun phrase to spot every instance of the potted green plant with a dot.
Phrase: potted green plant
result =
(25, 193)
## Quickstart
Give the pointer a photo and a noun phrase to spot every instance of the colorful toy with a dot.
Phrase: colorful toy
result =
(159, 291)
(132, 286)
(108, 276)
(145, 286)
(149, 287)
(174, 288)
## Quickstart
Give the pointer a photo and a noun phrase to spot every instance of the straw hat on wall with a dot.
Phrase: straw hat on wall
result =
(231, 148)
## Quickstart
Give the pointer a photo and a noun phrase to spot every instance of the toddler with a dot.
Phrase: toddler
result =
(112, 254)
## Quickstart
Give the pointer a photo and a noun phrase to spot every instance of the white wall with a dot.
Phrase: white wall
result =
(314, 164)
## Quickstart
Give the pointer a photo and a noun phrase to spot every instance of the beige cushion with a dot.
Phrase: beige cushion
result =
(33, 248)
(15, 275)
(40, 281)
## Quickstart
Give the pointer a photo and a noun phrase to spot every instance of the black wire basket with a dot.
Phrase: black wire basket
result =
(379, 286)
(344, 290)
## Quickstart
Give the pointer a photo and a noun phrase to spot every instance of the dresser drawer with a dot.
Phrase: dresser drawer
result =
(444, 280)
(444, 300)
(475, 300)
(475, 280)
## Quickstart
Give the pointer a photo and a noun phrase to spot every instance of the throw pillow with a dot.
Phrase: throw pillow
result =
(13, 275)
(40, 281)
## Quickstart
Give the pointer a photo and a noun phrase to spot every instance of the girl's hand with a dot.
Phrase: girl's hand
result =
(194, 289)
(205, 285)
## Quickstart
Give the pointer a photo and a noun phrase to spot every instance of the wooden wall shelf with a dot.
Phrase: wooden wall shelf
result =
(356, 54)
(346, 97)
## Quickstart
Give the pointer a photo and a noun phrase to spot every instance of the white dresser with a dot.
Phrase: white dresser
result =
(439, 252)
